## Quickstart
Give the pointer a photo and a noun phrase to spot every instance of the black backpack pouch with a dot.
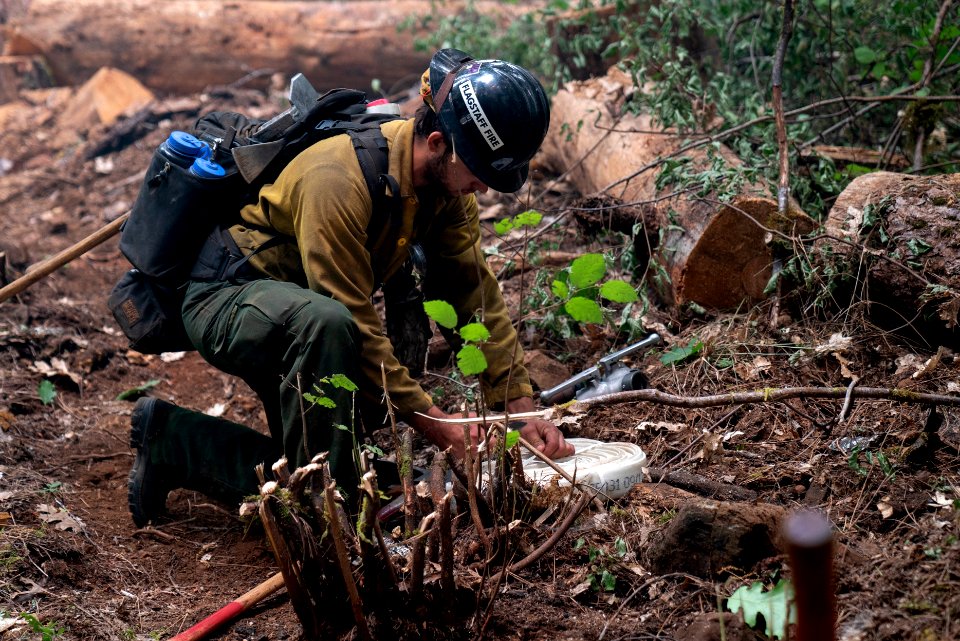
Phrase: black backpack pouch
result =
(173, 213)
(149, 314)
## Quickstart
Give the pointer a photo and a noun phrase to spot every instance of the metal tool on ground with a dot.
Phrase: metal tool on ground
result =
(608, 376)
(232, 610)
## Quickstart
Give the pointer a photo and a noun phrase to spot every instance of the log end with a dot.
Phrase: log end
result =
(731, 262)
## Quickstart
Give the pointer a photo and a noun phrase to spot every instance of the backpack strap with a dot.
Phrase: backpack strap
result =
(372, 153)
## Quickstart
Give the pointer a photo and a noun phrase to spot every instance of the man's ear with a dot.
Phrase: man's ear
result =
(435, 144)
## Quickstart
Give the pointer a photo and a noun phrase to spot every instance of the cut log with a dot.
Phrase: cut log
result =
(109, 94)
(711, 254)
(183, 46)
(908, 227)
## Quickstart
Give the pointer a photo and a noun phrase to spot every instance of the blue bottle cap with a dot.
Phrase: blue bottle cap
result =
(203, 168)
(180, 142)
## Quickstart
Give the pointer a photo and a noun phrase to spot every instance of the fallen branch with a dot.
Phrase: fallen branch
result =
(545, 547)
(769, 395)
(701, 485)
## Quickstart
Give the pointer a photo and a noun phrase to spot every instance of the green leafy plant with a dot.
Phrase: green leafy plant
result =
(470, 358)
(134, 393)
(336, 381)
(52, 488)
(320, 397)
(46, 392)
(47, 632)
(602, 563)
(681, 353)
(774, 605)
(578, 289)
(877, 459)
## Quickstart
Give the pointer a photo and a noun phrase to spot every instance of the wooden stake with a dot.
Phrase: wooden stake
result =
(810, 545)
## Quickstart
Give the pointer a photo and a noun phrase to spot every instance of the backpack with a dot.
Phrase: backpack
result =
(177, 209)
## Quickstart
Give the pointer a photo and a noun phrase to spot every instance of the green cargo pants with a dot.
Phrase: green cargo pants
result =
(276, 336)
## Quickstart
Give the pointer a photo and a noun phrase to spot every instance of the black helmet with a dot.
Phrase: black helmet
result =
(494, 113)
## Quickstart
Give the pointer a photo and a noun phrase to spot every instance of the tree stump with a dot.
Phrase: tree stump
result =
(712, 254)
(711, 538)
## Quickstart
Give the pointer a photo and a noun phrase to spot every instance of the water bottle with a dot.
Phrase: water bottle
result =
(182, 148)
(207, 169)
(383, 106)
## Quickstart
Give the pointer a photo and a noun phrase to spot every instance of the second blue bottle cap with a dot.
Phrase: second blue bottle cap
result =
(204, 168)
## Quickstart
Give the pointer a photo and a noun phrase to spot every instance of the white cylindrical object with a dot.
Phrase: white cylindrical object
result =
(611, 468)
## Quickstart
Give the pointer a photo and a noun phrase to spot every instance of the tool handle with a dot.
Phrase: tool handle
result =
(231, 610)
(44, 268)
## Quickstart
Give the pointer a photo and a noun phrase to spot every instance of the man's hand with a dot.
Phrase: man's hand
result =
(445, 435)
(542, 434)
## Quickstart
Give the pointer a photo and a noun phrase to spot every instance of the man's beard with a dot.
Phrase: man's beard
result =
(438, 175)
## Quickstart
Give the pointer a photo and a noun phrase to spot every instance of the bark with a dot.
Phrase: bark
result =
(184, 46)
(902, 233)
(713, 255)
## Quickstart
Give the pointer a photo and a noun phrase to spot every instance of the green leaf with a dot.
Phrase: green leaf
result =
(608, 581)
(918, 247)
(620, 546)
(587, 270)
(441, 312)
(559, 289)
(340, 381)
(529, 218)
(136, 392)
(773, 605)
(471, 360)
(618, 291)
(474, 333)
(680, 353)
(46, 391)
(322, 401)
(865, 55)
(511, 438)
(503, 227)
(584, 310)
(374, 449)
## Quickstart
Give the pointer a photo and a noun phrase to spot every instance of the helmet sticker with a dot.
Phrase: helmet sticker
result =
(476, 114)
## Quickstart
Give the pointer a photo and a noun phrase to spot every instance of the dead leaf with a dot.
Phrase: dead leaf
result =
(136, 358)
(6, 419)
(844, 370)
(172, 357)
(56, 368)
(751, 371)
(886, 510)
(837, 343)
(930, 364)
(60, 519)
(711, 443)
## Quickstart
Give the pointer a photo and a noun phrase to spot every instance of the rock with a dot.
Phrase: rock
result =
(545, 372)
(709, 538)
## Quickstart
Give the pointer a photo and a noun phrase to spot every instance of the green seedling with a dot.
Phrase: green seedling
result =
(776, 606)
(46, 392)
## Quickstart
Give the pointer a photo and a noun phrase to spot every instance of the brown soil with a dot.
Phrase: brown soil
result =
(101, 578)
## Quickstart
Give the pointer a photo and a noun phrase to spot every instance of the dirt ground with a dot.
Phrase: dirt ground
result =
(71, 557)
